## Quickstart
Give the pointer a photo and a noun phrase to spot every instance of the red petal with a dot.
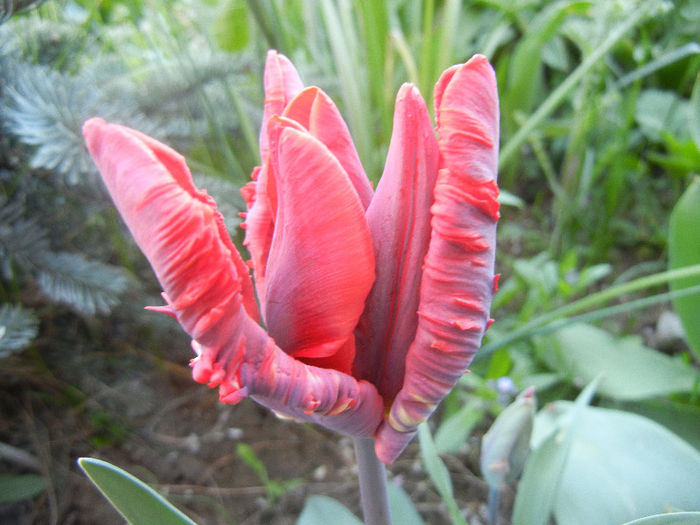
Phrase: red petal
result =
(399, 219)
(282, 83)
(260, 196)
(457, 284)
(180, 232)
(173, 222)
(321, 265)
(314, 110)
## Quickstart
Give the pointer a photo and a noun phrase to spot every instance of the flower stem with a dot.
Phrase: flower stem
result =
(372, 477)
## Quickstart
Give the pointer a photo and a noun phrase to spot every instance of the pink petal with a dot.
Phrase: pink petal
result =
(181, 233)
(457, 284)
(399, 219)
(140, 172)
(314, 110)
(282, 83)
(321, 265)
(261, 199)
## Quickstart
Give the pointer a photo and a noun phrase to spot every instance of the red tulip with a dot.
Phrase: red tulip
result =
(373, 303)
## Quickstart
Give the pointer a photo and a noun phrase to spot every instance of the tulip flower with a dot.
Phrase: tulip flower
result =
(365, 306)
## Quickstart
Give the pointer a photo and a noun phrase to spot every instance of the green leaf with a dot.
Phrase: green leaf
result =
(674, 518)
(621, 467)
(438, 472)
(630, 369)
(544, 468)
(694, 112)
(231, 26)
(683, 249)
(138, 503)
(321, 510)
(20, 487)
(401, 507)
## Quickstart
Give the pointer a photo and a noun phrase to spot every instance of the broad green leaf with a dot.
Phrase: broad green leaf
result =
(630, 369)
(622, 467)
(20, 487)
(683, 419)
(138, 503)
(401, 507)
(438, 472)
(684, 250)
(544, 468)
(322, 510)
(673, 518)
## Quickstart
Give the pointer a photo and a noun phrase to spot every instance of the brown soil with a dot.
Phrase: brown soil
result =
(62, 400)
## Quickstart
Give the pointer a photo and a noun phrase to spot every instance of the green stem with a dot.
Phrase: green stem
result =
(372, 476)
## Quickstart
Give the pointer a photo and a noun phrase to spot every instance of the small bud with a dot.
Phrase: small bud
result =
(506, 445)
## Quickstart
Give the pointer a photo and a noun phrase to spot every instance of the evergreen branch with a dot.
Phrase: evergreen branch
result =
(11, 7)
(18, 327)
(21, 239)
(46, 109)
(89, 287)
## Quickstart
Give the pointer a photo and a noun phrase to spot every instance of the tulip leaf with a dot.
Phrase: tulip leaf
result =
(673, 518)
(619, 467)
(138, 503)
(321, 510)
(545, 466)
(401, 507)
(631, 370)
(684, 250)
(438, 472)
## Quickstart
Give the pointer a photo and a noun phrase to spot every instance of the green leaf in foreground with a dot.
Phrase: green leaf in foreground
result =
(684, 250)
(673, 518)
(136, 501)
(631, 371)
(321, 510)
(620, 467)
(544, 468)
(438, 472)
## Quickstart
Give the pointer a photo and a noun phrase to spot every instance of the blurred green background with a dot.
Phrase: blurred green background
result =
(599, 241)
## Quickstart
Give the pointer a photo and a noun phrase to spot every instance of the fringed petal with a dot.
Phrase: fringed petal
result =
(249, 364)
(176, 225)
(282, 83)
(314, 110)
(399, 220)
(321, 264)
(181, 233)
(457, 284)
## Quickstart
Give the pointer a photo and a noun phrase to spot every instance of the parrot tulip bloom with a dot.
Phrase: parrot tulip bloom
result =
(367, 306)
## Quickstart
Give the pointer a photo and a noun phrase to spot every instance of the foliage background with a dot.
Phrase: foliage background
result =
(600, 138)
